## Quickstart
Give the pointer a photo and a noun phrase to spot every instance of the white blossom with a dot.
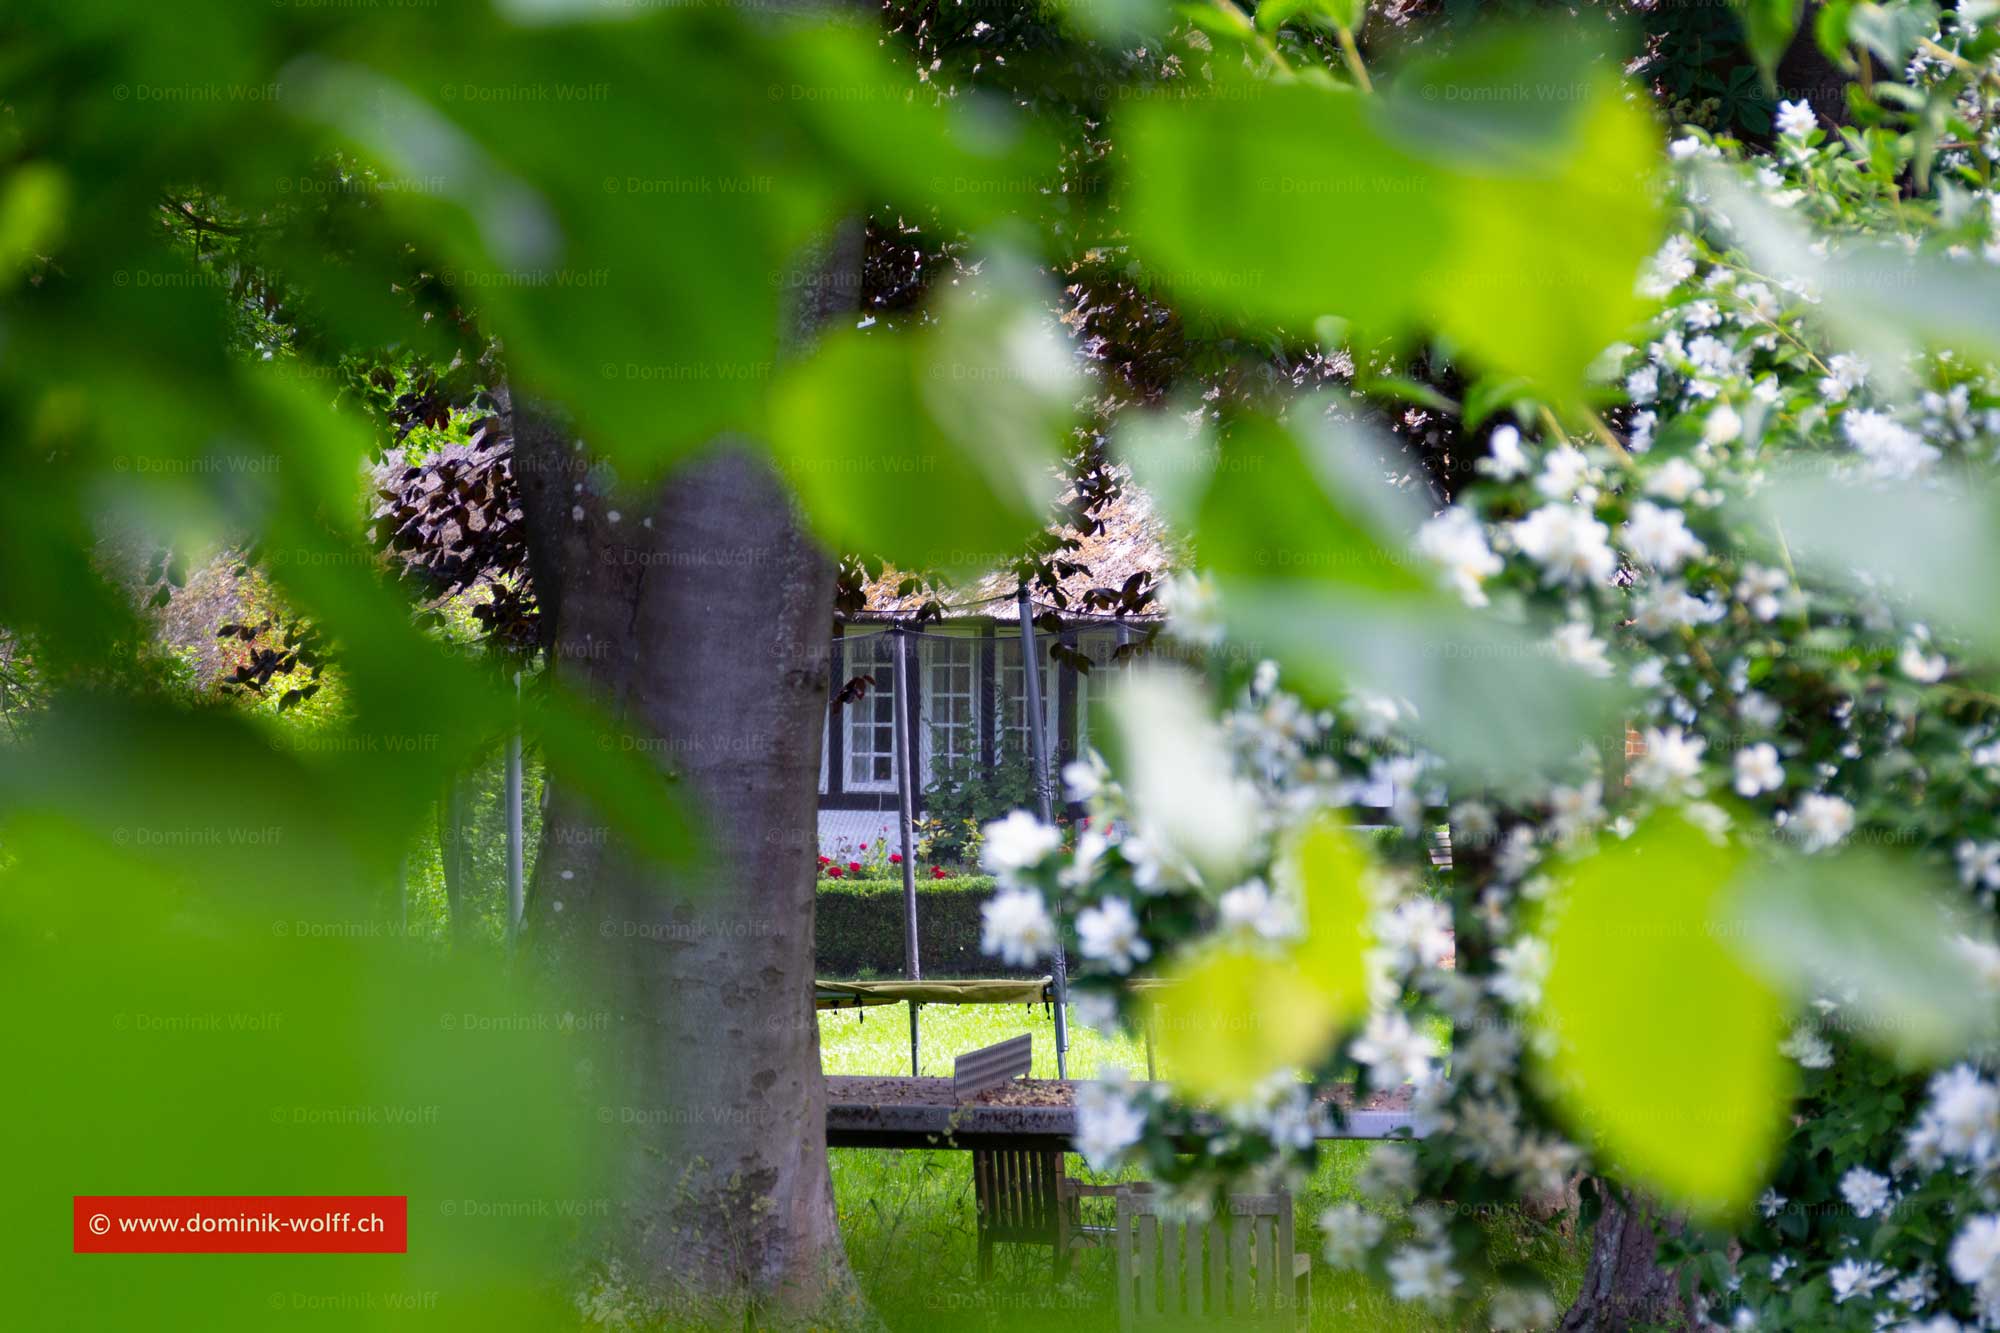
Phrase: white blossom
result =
(1796, 119)
(1544, 1164)
(1190, 807)
(1394, 1051)
(1564, 469)
(1673, 265)
(1672, 761)
(1822, 821)
(1570, 546)
(1018, 842)
(1758, 769)
(1351, 1231)
(1762, 591)
(1866, 1192)
(1920, 666)
(1389, 1173)
(1893, 450)
(1658, 536)
(1975, 1253)
(1109, 932)
(1722, 426)
(1506, 460)
(1519, 1310)
(1455, 541)
(1574, 811)
(1852, 1278)
(1966, 1109)
(1107, 1121)
(1576, 645)
(1522, 967)
(1643, 385)
(1189, 601)
(1669, 605)
(1806, 1046)
(1084, 778)
(1487, 1056)
(1847, 373)
(1015, 924)
(1979, 864)
(1676, 480)
(1253, 907)
(1423, 1274)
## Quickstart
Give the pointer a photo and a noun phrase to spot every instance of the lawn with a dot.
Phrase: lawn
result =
(907, 1217)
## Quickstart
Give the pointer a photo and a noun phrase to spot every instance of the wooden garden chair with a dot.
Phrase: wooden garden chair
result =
(1237, 1269)
(1023, 1198)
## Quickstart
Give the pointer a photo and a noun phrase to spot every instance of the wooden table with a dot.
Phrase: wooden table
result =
(869, 1112)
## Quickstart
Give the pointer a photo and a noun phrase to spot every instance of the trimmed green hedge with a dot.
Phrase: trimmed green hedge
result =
(859, 928)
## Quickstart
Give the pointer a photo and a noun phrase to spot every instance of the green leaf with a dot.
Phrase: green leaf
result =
(1768, 27)
(1311, 551)
(1877, 299)
(1120, 20)
(1665, 1041)
(1830, 31)
(569, 215)
(33, 201)
(1868, 926)
(619, 780)
(1346, 14)
(934, 448)
(1436, 206)
(1230, 1018)
(1939, 546)
(1891, 32)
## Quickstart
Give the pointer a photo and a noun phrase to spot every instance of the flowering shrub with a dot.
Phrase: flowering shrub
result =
(1801, 839)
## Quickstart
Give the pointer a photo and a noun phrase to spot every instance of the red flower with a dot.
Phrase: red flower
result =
(855, 866)
(833, 872)
(863, 847)
(938, 873)
(895, 858)
(826, 860)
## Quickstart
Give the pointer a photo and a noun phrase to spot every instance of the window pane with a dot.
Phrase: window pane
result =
(870, 723)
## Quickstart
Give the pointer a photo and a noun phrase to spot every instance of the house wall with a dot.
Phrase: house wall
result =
(852, 812)
(965, 698)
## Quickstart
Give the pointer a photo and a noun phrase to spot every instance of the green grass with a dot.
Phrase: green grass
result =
(907, 1217)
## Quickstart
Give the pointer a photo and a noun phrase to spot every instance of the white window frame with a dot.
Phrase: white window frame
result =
(1098, 646)
(1011, 685)
(864, 655)
(938, 657)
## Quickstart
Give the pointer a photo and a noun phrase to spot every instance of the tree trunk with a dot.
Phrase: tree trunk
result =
(1623, 1287)
(699, 618)
(1804, 74)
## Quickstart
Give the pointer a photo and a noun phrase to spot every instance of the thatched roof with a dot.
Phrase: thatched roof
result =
(1131, 540)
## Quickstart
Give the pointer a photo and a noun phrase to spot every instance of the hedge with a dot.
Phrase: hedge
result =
(859, 929)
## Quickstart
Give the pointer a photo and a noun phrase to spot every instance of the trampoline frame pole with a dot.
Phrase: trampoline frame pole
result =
(1038, 746)
(906, 802)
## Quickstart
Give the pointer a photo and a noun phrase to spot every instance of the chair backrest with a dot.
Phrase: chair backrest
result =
(1235, 1268)
(1018, 1191)
(990, 1066)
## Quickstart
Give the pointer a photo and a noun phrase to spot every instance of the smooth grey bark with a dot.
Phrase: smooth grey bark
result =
(1624, 1286)
(698, 616)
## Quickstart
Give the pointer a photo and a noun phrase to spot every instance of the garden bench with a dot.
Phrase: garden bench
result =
(1238, 1268)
